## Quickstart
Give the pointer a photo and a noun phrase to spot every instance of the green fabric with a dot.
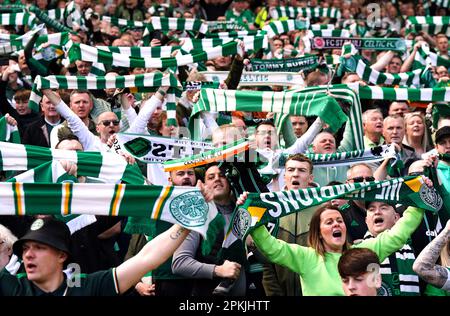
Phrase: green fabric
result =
(319, 275)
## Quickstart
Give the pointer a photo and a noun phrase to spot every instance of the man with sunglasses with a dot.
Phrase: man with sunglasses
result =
(354, 212)
(108, 124)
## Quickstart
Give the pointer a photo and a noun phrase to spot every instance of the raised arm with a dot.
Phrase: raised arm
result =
(154, 253)
(425, 265)
(87, 139)
(302, 143)
(139, 124)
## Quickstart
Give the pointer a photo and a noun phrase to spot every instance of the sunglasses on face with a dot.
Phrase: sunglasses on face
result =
(363, 179)
(108, 122)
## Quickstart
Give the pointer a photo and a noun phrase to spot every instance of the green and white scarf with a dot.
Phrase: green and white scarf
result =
(53, 172)
(235, 34)
(304, 63)
(252, 79)
(8, 133)
(154, 149)
(425, 57)
(88, 53)
(143, 82)
(225, 26)
(394, 44)
(271, 162)
(21, 41)
(329, 33)
(259, 209)
(442, 3)
(429, 24)
(343, 93)
(18, 18)
(141, 52)
(294, 12)
(401, 94)
(179, 205)
(356, 64)
(224, 153)
(251, 43)
(279, 27)
(306, 104)
(106, 166)
(161, 23)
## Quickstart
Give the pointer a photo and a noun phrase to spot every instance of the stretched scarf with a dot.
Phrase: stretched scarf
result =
(107, 166)
(143, 83)
(356, 64)
(271, 162)
(251, 43)
(88, 53)
(151, 149)
(252, 79)
(279, 27)
(428, 24)
(161, 23)
(179, 205)
(307, 104)
(294, 12)
(304, 63)
(260, 208)
(394, 44)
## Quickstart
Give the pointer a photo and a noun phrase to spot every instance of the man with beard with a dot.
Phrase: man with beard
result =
(197, 260)
(164, 282)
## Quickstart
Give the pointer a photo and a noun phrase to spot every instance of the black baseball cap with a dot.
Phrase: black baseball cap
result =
(442, 132)
(48, 231)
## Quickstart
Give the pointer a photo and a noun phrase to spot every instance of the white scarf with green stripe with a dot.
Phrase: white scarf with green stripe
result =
(180, 205)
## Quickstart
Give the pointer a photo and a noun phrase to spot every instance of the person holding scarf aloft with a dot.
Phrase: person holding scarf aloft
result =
(317, 264)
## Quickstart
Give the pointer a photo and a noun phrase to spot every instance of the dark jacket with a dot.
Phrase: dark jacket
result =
(355, 221)
(37, 134)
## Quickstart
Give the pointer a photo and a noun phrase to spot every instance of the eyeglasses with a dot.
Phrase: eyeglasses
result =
(362, 179)
(108, 122)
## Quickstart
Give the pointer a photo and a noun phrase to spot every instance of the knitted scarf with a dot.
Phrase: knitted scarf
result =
(294, 12)
(428, 24)
(398, 277)
(260, 208)
(181, 205)
(8, 133)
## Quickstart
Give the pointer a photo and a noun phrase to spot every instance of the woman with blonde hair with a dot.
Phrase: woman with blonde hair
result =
(416, 133)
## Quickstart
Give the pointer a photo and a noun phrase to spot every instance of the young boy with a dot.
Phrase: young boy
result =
(359, 269)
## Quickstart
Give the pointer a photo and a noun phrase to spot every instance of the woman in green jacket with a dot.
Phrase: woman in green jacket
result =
(317, 264)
